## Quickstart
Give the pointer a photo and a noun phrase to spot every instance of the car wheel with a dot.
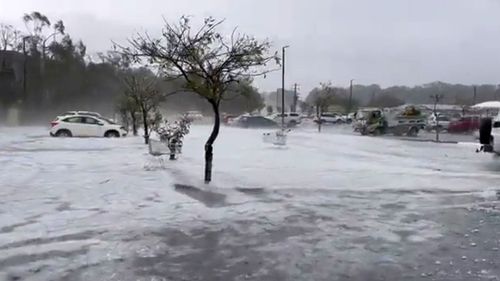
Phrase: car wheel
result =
(63, 134)
(112, 134)
(292, 124)
(485, 131)
(413, 132)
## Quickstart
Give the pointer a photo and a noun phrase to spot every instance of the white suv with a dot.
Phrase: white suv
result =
(85, 126)
(291, 119)
(333, 118)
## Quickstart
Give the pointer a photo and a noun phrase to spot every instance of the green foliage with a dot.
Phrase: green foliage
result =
(321, 98)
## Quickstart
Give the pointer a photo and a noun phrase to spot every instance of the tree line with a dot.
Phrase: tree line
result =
(62, 76)
(376, 96)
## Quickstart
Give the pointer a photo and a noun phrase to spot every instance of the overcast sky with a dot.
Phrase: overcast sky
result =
(388, 42)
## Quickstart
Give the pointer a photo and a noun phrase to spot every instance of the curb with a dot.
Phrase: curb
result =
(429, 140)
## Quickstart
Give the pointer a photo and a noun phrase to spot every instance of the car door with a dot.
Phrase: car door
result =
(93, 127)
(74, 125)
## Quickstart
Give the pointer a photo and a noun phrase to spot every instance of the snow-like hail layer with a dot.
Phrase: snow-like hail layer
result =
(84, 201)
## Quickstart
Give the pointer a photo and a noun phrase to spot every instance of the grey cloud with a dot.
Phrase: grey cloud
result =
(386, 41)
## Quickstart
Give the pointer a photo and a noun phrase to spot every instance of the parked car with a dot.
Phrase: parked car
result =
(194, 115)
(464, 124)
(349, 118)
(255, 122)
(292, 119)
(85, 126)
(228, 119)
(443, 120)
(329, 117)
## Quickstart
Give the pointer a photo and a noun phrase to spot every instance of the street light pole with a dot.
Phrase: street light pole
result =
(283, 87)
(475, 95)
(350, 97)
(295, 97)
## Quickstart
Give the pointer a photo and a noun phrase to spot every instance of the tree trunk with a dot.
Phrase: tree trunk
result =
(134, 123)
(145, 126)
(210, 142)
(318, 115)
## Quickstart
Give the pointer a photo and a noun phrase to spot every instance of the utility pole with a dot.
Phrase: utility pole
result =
(283, 87)
(277, 99)
(350, 97)
(436, 98)
(475, 95)
(295, 97)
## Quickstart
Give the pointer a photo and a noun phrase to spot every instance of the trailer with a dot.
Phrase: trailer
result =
(381, 122)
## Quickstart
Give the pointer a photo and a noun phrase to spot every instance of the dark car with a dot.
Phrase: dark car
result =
(464, 124)
(255, 122)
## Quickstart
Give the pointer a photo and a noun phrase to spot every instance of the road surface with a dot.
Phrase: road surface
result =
(329, 206)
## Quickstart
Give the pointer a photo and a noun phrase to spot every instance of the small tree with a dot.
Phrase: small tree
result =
(129, 112)
(207, 60)
(143, 95)
(324, 97)
(269, 109)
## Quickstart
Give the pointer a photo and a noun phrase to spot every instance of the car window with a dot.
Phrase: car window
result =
(265, 121)
(92, 121)
(74, 120)
(294, 114)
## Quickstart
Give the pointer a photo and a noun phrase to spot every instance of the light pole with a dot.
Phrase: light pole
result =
(350, 97)
(475, 95)
(295, 97)
(283, 87)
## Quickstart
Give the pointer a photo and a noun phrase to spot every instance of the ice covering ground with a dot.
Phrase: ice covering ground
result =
(103, 209)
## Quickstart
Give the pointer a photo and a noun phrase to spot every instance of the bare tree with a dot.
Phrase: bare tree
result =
(36, 23)
(58, 28)
(207, 60)
(142, 95)
(9, 37)
(323, 98)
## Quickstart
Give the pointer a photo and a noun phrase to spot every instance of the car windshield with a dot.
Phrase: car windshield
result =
(108, 120)
(249, 140)
(443, 118)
